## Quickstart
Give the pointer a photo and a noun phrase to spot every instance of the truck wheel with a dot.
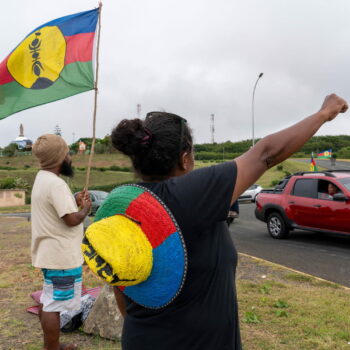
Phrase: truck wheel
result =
(277, 226)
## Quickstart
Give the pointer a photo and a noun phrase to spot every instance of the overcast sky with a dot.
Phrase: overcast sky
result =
(195, 58)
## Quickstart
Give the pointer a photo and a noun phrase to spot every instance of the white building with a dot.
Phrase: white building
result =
(22, 141)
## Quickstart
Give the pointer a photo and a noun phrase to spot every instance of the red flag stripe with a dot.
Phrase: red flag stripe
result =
(5, 76)
(79, 47)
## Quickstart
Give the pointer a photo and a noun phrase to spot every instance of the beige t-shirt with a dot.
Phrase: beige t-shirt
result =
(54, 244)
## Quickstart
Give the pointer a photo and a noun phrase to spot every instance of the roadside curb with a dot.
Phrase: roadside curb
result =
(293, 270)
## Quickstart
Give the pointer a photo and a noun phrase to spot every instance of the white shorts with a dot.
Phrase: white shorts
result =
(61, 290)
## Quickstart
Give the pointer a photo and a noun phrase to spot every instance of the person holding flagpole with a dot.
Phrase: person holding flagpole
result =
(57, 232)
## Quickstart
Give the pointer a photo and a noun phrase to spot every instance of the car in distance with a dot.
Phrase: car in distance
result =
(251, 193)
(97, 198)
(302, 201)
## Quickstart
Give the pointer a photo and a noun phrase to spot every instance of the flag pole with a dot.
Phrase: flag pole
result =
(95, 101)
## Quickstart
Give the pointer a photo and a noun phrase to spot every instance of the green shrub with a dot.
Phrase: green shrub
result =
(279, 167)
(28, 198)
(119, 168)
(14, 182)
(100, 148)
(106, 188)
(7, 183)
(343, 153)
(300, 155)
(11, 150)
(274, 182)
(215, 155)
(7, 168)
(251, 317)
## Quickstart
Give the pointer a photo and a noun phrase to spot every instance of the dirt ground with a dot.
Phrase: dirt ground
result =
(21, 330)
(18, 328)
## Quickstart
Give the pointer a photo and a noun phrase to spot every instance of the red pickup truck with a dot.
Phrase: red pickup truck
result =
(305, 201)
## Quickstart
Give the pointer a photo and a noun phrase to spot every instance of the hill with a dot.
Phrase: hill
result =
(340, 145)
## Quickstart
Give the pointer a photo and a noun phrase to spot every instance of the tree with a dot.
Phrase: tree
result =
(10, 150)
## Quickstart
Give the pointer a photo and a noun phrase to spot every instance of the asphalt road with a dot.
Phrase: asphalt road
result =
(21, 215)
(321, 255)
(326, 163)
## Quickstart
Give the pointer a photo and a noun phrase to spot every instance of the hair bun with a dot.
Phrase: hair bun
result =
(130, 137)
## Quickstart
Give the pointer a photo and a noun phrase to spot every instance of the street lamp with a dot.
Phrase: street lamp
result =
(256, 83)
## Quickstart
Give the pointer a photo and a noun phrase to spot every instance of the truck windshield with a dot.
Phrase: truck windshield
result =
(346, 182)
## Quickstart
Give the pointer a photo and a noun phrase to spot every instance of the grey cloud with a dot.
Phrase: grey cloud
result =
(196, 58)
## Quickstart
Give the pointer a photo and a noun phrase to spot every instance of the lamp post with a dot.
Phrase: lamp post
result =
(256, 83)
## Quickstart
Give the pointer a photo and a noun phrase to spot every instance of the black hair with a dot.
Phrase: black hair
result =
(155, 144)
(66, 168)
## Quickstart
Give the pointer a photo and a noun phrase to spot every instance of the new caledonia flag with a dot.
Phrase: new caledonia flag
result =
(53, 62)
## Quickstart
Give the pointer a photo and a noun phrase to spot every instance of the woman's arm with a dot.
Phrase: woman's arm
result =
(277, 147)
(119, 297)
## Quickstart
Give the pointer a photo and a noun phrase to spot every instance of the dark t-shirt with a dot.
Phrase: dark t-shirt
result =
(204, 315)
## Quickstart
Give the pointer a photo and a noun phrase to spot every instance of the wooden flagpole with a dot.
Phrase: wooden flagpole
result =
(95, 103)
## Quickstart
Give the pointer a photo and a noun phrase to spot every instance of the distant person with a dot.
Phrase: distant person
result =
(57, 232)
(204, 315)
(82, 147)
(332, 189)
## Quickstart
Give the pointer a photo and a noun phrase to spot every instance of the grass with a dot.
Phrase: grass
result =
(298, 312)
(16, 209)
(99, 160)
(27, 167)
(299, 316)
(291, 166)
(19, 329)
(279, 309)
(108, 177)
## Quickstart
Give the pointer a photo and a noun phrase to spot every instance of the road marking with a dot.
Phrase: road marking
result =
(290, 269)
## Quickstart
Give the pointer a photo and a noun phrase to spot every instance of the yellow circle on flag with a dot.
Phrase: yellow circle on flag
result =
(39, 59)
(120, 241)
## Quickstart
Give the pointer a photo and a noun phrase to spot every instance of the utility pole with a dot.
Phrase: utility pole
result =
(212, 127)
(57, 130)
(256, 83)
(138, 110)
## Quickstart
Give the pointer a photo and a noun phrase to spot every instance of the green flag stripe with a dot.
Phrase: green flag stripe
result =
(118, 201)
(75, 78)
